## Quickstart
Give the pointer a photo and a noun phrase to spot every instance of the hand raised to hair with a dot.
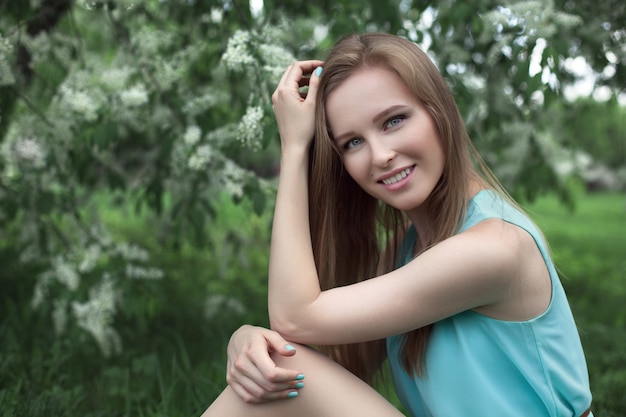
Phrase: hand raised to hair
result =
(252, 374)
(294, 110)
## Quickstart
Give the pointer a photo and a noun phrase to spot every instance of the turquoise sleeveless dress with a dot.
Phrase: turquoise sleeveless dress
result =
(480, 366)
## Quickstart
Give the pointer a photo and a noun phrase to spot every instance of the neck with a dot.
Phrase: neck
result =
(420, 216)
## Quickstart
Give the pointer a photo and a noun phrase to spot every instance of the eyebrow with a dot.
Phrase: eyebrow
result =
(386, 112)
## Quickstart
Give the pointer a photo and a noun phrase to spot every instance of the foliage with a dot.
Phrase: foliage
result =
(127, 127)
(597, 128)
(174, 336)
(129, 98)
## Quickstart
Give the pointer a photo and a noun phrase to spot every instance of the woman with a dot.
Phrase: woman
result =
(391, 239)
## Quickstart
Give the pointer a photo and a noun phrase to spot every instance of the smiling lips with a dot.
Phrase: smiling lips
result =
(398, 177)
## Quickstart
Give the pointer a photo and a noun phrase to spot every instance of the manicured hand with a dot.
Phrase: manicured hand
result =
(252, 373)
(294, 109)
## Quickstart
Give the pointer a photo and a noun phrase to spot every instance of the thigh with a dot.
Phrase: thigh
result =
(329, 391)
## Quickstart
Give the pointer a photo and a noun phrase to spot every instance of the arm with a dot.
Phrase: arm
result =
(470, 270)
(292, 268)
(464, 272)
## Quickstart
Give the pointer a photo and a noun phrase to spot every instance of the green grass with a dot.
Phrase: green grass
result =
(173, 362)
(589, 249)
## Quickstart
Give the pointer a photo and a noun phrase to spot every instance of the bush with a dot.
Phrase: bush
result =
(173, 331)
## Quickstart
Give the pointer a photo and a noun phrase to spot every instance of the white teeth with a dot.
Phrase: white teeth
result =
(397, 177)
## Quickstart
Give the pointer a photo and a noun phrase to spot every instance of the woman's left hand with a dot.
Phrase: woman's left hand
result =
(295, 110)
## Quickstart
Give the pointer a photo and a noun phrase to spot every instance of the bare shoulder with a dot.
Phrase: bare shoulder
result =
(500, 235)
(493, 242)
(516, 264)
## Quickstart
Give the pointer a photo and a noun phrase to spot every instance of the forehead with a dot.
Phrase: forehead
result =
(364, 94)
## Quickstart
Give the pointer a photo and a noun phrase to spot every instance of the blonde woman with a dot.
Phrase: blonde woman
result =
(393, 240)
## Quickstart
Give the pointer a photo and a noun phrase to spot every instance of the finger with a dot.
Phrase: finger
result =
(299, 72)
(268, 370)
(314, 82)
(263, 388)
(248, 390)
(295, 77)
(246, 395)
(307, 67)
(257, 371)
(288, 85)
(279, 344)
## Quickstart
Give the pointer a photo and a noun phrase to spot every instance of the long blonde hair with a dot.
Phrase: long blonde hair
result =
(351, 231)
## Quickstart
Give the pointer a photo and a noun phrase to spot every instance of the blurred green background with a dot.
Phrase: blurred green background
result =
(138, 158)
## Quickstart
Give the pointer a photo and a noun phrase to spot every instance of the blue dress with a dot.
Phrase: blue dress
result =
(480, 366)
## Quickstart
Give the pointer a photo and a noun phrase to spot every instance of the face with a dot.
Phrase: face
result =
(388, 141)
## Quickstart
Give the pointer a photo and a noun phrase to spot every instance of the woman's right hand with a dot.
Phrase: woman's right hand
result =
(295, 110)
(252, 373)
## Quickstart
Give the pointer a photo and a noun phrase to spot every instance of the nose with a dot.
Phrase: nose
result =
(382, 153)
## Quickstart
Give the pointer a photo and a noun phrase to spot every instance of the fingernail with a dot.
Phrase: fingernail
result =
(292, 394)
(300, 385)
(289, 347)
(318, 71)
(300, 377)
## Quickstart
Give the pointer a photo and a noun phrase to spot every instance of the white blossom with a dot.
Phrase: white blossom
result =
(128, 4)
(202, 102)
(39, 47)
(276, 59)
(217, 15)
(222, 135)
(29, 150)
(96, 316)
(250, 129)
(134, 96)
(168, 72)
(232, 178)
(160, 116)
(65, 273)
(140, 272)
(130, 252)
(101, 234)
(201, 158)
(90, 258)
(237, 56)
(59, 316)
(41, 289)
(150, 41)
(216, 304)
(89, 4)
(116, 78)
(192, 135)
(81, 102)
(6, 73)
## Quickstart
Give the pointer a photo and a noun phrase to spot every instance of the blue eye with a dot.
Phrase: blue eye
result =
(353, 143)
(394, 121)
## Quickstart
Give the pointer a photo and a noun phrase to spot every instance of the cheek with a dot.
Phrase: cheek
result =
(355, 167)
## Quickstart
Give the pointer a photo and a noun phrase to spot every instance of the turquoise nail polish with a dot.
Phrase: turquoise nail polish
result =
(289, 347)
(300, 377)
(292, 394)
(318, 71)
(300, 385)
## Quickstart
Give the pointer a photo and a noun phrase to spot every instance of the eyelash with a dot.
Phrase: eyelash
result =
(347, 145)
(399, 117)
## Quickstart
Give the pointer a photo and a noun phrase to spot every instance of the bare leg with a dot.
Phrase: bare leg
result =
(329, 391)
